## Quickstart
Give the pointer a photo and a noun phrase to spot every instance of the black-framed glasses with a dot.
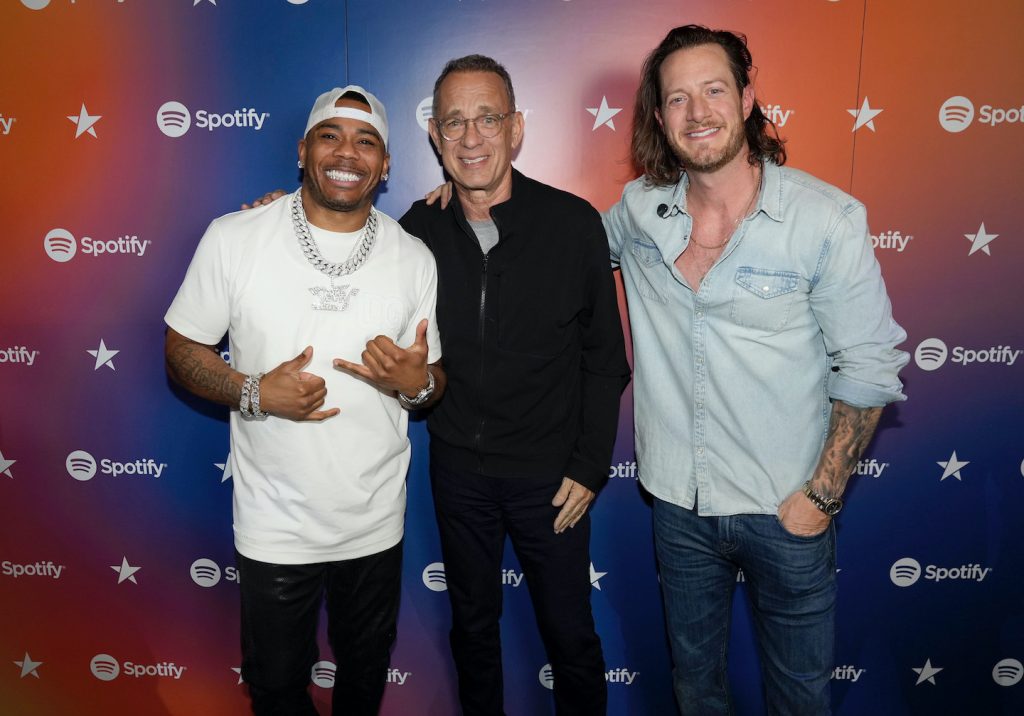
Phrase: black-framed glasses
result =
(487, 126)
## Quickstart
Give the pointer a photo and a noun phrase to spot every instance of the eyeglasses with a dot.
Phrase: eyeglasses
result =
(487, 126)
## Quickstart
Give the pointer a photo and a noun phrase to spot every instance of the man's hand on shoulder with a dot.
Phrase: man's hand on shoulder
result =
(443, 193)
(265, 199)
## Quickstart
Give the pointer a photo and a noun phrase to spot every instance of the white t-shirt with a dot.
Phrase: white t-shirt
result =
(307, 492)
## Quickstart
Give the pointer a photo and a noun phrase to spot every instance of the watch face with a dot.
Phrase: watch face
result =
(829, 505)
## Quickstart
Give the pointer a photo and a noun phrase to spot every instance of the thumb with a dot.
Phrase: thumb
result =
(421, 335)
(302, 359)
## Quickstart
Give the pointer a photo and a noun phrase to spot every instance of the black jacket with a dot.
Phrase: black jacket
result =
(531, 337)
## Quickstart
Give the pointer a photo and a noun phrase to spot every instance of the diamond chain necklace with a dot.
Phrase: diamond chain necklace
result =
(356, 258)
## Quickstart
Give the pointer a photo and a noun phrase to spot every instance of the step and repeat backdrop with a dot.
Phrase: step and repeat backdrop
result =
(126, 126)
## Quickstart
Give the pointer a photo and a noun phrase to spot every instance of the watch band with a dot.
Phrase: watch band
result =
(421, 397)
(829, 505)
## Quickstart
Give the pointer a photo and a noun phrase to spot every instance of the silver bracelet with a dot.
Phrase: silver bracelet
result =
(254, 396)
(421, 397)
(249, 404)
(243, 404)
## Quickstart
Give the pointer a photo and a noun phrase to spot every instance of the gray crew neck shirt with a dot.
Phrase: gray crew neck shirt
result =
(486, 233)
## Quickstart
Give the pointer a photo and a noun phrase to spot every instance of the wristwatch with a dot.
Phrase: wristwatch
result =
(421, 397)
(829, 505)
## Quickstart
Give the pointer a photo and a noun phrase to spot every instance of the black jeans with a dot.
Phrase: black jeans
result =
(474, 513)
(280, 610)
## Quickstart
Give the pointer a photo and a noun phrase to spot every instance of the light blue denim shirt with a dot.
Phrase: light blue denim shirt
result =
(732, 382)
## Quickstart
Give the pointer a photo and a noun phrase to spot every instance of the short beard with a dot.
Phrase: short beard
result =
(730, 152)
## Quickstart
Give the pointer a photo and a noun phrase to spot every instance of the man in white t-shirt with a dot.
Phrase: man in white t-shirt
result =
(319, 450)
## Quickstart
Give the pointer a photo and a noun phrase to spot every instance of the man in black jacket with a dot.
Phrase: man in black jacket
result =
(534, 352)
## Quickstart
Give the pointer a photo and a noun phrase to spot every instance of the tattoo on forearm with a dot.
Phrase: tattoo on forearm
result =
(849, 432)
(190, 365)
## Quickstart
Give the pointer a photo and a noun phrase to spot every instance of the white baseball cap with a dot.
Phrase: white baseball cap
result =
(324, 109)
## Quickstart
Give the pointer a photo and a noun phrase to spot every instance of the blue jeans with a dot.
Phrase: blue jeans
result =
(792, 587)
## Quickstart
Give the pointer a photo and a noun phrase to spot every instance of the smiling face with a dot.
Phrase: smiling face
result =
(343, 159)
(475, 163)
(702, 111)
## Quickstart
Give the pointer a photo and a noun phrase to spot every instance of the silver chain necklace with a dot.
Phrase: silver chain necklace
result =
(356, 258)
(736, 222)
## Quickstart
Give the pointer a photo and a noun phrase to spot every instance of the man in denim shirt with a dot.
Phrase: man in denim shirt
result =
(765, 351)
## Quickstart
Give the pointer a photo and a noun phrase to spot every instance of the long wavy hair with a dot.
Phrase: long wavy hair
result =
(651, 152)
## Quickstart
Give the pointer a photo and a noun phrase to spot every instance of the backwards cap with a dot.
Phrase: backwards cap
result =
(324, 109)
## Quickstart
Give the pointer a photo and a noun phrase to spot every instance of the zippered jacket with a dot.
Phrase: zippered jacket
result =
(531, 337)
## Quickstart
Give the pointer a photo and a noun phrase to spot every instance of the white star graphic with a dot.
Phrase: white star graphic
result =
(238, 670)
(980, 240)
(952, 467)
(85, 122)
(225, 467)
(595, 577)
(5, 466)
(927, 673)
(864, 117)
(103, 356)
(125, 571)
(603, 114)
(28, 666)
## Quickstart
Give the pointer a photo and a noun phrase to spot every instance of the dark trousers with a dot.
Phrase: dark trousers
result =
(280, 609)
(474, 513)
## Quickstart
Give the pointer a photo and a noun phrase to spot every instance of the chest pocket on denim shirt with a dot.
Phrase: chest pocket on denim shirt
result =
(652, 277)
(763, 298)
